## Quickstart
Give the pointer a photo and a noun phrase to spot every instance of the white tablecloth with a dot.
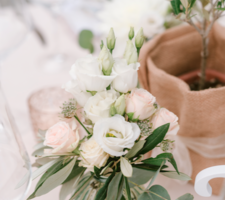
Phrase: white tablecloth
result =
(21, 75)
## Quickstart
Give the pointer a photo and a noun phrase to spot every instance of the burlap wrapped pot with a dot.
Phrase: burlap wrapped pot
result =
(202, 113)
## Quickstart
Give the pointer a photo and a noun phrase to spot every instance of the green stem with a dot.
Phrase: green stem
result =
(138, 51)
(82, 124)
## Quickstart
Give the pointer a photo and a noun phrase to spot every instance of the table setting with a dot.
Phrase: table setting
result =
(122, 105)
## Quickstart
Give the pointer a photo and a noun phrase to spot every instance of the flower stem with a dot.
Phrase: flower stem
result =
(82, 124)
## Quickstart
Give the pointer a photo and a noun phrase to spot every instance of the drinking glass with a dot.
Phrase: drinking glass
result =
(14, 161)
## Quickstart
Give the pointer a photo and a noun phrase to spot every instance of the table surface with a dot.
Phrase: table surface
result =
(22, 76)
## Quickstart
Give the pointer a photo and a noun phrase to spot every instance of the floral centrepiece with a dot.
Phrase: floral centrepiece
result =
(122, 123)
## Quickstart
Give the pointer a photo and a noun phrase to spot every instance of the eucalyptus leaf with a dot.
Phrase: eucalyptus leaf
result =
(174, 175)
(113, 189)
(126, 167)
(56, 179)
(135, 149)
(155, 138)
(176, 6)
(145, 196)
(140, 176)
(186, 197)
(85, 40)
(75, 172)
(158, 192)
(40, 151)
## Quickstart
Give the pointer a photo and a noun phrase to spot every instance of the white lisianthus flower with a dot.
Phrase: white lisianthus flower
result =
(92, 155)
(126, 75)
(114, 134)
(98, 106)
(130, 53)
(88, 73)
(80, 96)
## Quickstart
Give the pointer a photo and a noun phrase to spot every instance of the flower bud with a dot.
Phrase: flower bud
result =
(120, 105)
(130, 53)
(106, 61)
(112, 110)
(131, 33)
(111, 40)
(139, 39)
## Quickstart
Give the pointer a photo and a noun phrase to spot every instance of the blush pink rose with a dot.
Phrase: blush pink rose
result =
(164, 116)
(62, 137)
(141, 103)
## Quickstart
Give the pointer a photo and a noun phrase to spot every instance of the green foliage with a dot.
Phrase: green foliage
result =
(85, 40)
(127, 188)
(115, 189)
(155, 138)
(176, 6)
(75, 172)
(158, 160)
(157, 192)
(174, 175)
(186, 197)
(101, 195)
(135, 149)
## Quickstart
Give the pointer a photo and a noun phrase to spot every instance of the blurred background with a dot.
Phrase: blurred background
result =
(41, 39)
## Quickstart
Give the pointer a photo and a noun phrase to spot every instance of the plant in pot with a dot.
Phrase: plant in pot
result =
(187, 65)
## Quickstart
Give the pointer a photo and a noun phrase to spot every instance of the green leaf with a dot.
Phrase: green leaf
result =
(176, 6)
(135, 149)
(130, 115)
(68, 187)
(85, 40)
(126, 167)
(158, 192)
(97, 172)
(56, 179)
(75, 172)
(223, 9)
(155, 175)
(50, 171)
(101, 195)
(115, 187)
(161, 158)
(174, 175)
(155, 138)
(82, 185)
(40, 151)
(127, 188)
(140, 176)
(145, 196)
(192, 3)
(186, 197)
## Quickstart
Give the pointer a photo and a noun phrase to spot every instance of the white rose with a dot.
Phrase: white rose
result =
(126, 75)
(92, 155)
(141, 103)
(88, 73)
(114, 134)
(80, 96)
(164, 116)
(98, 106)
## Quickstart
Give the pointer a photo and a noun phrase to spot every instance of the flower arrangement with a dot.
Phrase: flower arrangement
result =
(97, 150)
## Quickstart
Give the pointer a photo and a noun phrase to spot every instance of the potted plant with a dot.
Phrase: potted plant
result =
(187, 65)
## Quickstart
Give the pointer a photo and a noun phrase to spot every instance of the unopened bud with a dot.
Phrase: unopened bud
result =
(111, 40)
(120, 105)
(130, 53)
(106, 61)
(131, 33)
(139, 39)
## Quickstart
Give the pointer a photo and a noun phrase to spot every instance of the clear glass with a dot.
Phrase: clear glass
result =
(57, 60)
(15, 164)
(14, 160)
